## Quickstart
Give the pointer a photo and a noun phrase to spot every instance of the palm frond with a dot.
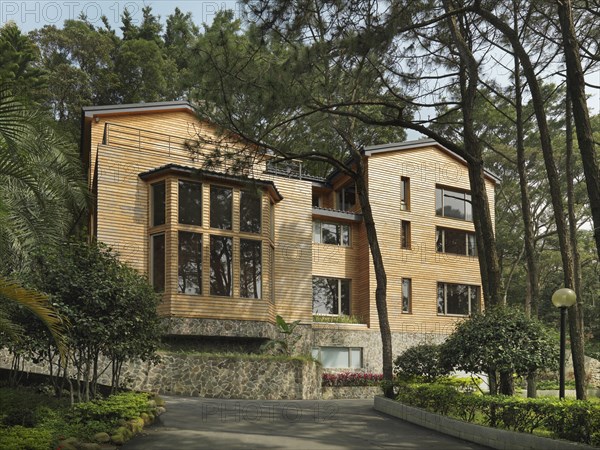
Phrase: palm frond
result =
(38, 304)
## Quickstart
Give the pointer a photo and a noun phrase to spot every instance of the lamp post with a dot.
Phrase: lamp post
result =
(563, 299)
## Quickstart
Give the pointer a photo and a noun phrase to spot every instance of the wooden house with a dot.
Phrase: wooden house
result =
(231, 250)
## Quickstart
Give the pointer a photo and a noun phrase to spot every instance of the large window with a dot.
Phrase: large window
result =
(406, 295)
(250, 268)
(331, 296)
(221, 207)
(190, 203)
(457, 299)
(338, 357)
(158, 204)
(331, 233)
(458, 242)
(250, 216)
(346, 198)
(452, 203)
(189, 263)
(221, 265)
(157, 263)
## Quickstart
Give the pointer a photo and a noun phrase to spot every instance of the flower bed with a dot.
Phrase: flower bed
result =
(351, 379)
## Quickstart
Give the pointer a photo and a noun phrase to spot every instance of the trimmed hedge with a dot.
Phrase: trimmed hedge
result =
(574, 420)
(351, 379)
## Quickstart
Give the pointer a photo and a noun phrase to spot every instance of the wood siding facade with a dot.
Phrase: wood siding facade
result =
(150, 139)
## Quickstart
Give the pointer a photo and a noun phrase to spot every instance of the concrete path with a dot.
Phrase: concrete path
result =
(197, 423)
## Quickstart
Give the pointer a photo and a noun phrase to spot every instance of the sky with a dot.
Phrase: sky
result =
(29, 15)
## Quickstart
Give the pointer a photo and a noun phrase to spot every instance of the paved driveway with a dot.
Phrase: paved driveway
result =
(196, 423)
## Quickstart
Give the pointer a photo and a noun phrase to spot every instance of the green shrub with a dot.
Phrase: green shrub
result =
(422, 361)
(573, 420)
(127, 405)
(22, 438)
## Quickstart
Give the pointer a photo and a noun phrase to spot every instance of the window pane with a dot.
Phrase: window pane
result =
(220, 207)
(468, 207)
(316, 200)
(455, 241)
(355, 358)
(348, 198)
(158, 203)
(250, 212)
(474, 293)
(221, 264)
(406, 288)
(250, 268)
(334, 358)
(345, 300)
(472, 244)
(317, 232)
(457, 298)
(158, 262)
(345, 235)
(404, 193)
(440, 299)
(190, 263)
(439, 239)
(329, 233)
(325, 295)
(454, 204)
(190, 203)
(439, 205)
(405, 238)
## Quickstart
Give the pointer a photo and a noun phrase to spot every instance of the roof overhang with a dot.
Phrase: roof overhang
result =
(422, 143)
(206, 175)
(90, 112)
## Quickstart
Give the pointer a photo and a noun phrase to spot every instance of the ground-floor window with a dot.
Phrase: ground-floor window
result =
(338, 357)
(331, 296)
(457, 299)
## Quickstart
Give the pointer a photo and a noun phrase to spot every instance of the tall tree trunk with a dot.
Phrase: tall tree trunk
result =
(380, 278)
(491, 278)
(576, 88)
(555, 191)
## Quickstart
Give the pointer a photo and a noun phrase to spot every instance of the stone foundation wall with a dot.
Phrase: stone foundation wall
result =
(214, 377)
(345, 335)
(349, 392)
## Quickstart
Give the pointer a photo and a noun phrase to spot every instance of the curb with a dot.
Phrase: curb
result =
(479, 434)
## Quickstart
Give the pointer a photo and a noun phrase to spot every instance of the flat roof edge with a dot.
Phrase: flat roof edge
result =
(90, 111)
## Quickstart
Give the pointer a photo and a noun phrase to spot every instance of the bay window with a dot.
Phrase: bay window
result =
(221, 265)
(221, 207)
(250, 268)
(250, 212)
(190, 203)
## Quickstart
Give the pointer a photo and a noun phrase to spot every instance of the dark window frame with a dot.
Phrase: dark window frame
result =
(228, 271)
(472, 295)
(153, 205)
(405, 234)
(339, 302)
(407, 299)
(223, 188)
(180, 218)
(442, 192)
(153, 274)
(441, 247)
(179, 263)
(404, 193)
(340, 231)
(254, 196)
(244, 293)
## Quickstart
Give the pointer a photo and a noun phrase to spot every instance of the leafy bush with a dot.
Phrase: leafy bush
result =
(420, 361)
(126, 405)
(22, 438)
(351, 379)
(573, 420)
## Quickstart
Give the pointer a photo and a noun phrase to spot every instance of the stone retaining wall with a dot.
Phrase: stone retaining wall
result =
(215, 377)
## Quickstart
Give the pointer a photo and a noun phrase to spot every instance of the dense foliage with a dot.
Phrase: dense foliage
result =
(500, 340)
(30, 420)
(568, 419)
(111, 307)
(423, 360)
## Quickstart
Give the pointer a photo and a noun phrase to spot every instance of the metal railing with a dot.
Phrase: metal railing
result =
(140, 139)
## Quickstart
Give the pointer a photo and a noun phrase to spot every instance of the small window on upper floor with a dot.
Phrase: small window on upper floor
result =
(250, 212)
(406, 295)
(405, 238)
(405, 194)
(221, 207)
(158, 203)
(316, 201)
(190, 203)
(453, 203)
(458, 242)
(457, 299)
(331, 233)
(346, 198)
